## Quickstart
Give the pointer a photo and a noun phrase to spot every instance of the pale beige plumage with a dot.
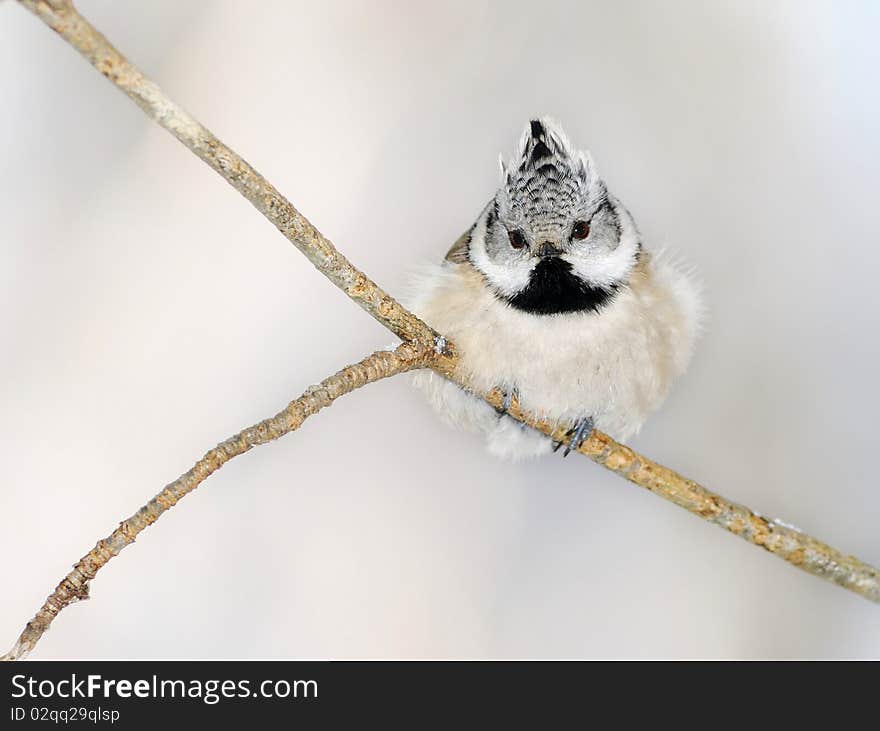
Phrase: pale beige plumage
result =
(616, 365)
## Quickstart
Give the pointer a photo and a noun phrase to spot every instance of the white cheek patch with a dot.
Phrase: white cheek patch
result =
(510, 278)
(604, 268)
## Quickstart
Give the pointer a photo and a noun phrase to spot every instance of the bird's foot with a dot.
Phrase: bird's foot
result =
(507, 400)
(578, 434)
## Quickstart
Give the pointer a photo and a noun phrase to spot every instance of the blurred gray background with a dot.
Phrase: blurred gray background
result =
(147, 312)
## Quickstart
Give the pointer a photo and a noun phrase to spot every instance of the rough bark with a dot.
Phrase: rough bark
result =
(75, 586)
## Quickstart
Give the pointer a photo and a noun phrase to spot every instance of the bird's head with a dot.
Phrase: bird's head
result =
(553, 240)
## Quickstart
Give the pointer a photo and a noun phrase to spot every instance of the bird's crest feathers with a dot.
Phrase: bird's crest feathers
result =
(546, 172)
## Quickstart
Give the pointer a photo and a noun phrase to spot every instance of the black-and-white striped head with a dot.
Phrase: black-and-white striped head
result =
(553, 239)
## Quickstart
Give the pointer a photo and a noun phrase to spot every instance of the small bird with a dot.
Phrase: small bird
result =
(551, 297)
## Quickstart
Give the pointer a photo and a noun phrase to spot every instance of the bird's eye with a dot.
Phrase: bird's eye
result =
(581, 230)
(517, 239)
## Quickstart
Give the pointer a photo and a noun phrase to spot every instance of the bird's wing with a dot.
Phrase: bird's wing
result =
(458, 254)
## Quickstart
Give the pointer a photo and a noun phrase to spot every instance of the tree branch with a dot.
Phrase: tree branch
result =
(62, 17)
(794, 546)
(75, 586)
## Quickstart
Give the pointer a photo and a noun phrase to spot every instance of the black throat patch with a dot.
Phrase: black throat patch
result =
(553, 289)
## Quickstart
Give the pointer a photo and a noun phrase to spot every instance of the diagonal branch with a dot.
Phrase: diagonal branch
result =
(798, 548)
(794, 546)
(63, 18)
(75, 586)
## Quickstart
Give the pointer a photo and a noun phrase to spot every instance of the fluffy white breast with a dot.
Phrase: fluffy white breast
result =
(615, 365)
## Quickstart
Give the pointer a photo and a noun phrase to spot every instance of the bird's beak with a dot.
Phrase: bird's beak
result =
(547, 249)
